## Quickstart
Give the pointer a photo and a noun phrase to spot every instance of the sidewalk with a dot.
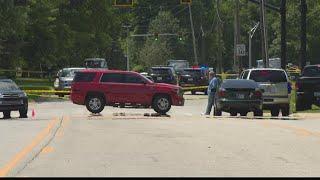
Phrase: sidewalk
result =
(307, 115)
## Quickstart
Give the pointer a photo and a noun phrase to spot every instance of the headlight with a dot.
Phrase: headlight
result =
(1, 95)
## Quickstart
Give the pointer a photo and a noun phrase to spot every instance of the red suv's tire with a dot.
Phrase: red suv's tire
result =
(161, 104)
(95, 104)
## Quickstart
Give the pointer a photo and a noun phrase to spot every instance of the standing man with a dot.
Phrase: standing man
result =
(213, 85)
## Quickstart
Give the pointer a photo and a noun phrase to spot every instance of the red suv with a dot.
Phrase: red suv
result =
(99, 88)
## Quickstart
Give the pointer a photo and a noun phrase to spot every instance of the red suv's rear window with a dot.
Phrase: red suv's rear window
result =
(84, 77)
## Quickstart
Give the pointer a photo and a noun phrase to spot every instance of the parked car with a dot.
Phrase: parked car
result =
(145, 74)
(276, 86)
(12, 98)
(97, 89)
(308, 88)
(192, 77)
(163, 74)
(238, 96)
(64, 79)
(96, 63)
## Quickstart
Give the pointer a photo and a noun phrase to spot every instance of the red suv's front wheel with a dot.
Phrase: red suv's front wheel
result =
(161, 104)
(95, 104)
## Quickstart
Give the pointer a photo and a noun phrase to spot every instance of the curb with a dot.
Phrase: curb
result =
(255, 118)
(35, 151)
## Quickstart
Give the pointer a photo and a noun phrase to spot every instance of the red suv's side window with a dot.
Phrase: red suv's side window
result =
(132, 79)
(112, 77)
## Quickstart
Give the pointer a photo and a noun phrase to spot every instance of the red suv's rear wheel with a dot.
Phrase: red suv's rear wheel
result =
(95, 104)
(161, 104)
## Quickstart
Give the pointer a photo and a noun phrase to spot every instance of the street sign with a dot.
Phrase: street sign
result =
(241, 50)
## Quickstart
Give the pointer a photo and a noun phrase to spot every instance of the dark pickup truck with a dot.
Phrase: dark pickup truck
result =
(308, 88)
(193, 77)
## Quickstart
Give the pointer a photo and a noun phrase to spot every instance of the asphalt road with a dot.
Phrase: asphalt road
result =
(65, 140)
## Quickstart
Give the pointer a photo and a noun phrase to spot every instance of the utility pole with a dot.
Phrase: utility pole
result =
(219, 67)
(203, 45)
(283, 11)
(264, 42)
(303, 36)
(251, 34)
(237, 65)
(127, 48)
(193, 37)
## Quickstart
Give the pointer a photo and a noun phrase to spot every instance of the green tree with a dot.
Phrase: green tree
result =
(157, 52)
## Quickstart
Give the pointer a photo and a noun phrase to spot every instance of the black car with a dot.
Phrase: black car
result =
(163, 75)
(12, 98)
(308, 88)
(192, 77)
(238, 96)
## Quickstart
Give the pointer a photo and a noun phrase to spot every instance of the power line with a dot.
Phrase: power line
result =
(180, 11)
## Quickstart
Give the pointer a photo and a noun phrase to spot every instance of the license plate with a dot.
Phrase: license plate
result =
(159, 78)
(317, 94)
(190, 79)
(270, 90)
(240, 96)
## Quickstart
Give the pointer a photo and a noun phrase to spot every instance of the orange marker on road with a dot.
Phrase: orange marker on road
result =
(33, 113)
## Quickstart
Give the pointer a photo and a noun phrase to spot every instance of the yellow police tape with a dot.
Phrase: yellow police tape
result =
(68, 92)
(194, 88)
(46, 91)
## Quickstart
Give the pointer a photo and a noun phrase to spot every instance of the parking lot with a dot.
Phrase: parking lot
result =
(64, 139)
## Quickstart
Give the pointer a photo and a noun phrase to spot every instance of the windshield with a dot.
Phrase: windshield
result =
(161, 71)
(95, 64)
(178, 65)
(8, 86)
(68, 72)
(312, 71)
(192, 72)
(268, 76)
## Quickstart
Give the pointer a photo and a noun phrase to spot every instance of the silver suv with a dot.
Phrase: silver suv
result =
(64, 79)
(276, 88)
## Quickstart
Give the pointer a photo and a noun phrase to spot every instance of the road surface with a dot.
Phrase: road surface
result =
(65, 140)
